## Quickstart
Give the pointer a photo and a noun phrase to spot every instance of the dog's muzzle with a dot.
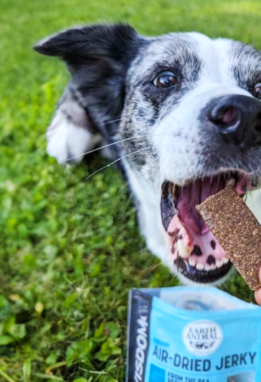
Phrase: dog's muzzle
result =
(235, 121)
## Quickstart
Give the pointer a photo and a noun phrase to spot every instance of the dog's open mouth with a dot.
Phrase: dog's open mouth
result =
(195, 251)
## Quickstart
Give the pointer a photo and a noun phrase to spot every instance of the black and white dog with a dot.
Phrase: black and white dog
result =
(181, 110)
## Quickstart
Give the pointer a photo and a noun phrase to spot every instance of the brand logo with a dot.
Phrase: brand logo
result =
(202, 337)
(141, 346)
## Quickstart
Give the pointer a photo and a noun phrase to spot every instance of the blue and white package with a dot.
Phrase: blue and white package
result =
(187, 334)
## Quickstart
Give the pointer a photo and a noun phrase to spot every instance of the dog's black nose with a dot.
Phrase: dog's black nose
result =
(237, 118)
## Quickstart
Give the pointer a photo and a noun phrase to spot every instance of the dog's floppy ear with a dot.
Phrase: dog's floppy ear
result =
(98, 58)
(83, 43)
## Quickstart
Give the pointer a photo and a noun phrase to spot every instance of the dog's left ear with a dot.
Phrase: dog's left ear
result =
(98, 58)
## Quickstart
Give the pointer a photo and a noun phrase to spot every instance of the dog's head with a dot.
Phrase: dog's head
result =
(190, 117)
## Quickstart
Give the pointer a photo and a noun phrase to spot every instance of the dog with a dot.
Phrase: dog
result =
(181, 112)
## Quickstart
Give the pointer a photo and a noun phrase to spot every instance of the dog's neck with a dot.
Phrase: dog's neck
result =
(148, 206)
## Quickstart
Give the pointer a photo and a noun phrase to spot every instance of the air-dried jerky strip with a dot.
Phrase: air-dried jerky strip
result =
(237, 230)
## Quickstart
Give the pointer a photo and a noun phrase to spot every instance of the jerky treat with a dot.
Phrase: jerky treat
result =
(237, 230)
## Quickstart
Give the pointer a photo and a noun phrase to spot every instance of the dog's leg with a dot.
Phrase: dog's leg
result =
(70, 133)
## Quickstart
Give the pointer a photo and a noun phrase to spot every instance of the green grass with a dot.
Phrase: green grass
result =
(70, 249)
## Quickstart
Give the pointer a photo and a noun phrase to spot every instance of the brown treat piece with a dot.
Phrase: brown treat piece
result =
(237, 230)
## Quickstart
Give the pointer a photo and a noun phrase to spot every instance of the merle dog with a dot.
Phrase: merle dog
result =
(181, 110)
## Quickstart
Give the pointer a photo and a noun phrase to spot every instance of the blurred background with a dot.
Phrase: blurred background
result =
(70, 249)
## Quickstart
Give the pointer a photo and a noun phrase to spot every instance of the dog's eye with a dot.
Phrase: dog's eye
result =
(257, 90)
(166, 79)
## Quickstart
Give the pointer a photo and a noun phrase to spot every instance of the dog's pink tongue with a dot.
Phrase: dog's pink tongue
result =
(192, 195)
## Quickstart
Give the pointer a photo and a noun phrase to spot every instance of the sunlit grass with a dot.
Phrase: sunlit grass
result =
(70, 249)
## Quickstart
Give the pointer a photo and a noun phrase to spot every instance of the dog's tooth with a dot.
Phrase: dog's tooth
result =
(192, 262)
(200, 266)
(213, 267)
(230, 182)
(219, 263)
(183, 251)
(207, 267)
(225, 260)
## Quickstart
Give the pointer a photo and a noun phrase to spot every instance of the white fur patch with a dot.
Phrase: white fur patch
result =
(68, 142)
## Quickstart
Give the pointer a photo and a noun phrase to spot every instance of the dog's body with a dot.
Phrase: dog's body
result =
(182, 113)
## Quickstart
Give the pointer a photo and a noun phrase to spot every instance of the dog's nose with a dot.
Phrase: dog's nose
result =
(237, 118)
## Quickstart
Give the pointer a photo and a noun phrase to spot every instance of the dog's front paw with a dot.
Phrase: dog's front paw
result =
(69, 135)
(68, 142)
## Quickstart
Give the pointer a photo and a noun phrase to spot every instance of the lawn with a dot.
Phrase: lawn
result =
(70, 249)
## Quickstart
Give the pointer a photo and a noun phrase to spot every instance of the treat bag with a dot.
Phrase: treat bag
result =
(186, 334)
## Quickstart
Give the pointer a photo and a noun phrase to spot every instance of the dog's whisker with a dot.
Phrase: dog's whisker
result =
(100, 148)
(156, 266)
(113, 143)
(124, 186)
(117, 160)
(54, 125)
(141, 250)
(152, 268)
(129, 198)
(115, 120)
